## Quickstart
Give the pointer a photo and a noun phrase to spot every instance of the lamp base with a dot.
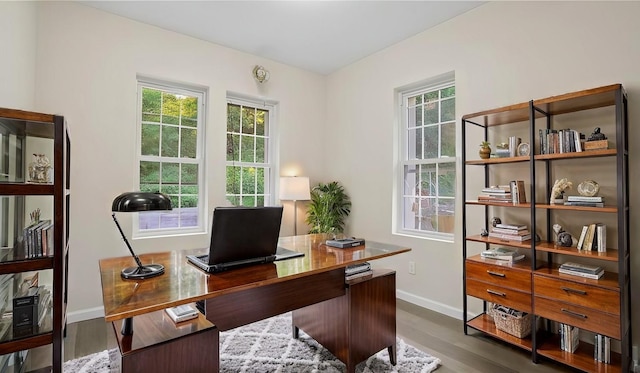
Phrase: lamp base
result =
(145, 271)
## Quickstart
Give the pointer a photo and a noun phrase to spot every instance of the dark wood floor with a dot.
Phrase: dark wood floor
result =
(429, 331)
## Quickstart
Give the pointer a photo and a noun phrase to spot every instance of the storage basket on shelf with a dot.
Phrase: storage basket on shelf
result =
(516, 323)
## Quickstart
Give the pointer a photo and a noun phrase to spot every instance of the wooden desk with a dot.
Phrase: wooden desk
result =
(242, 295)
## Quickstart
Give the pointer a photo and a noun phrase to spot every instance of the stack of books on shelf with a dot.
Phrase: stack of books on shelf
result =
(593, 238)
(357, 270)
(502, 253)
(37, 239)
(595, 201)
(560, 141)
(510, 232)
(602, 349)
(569, 337)
(30, 309)
(497, 193)
(581, 270)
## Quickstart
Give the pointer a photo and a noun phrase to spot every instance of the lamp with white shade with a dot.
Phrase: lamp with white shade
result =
(294, 188)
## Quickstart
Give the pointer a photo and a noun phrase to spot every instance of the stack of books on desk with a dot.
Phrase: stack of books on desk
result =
(357, 270)
(582, 270)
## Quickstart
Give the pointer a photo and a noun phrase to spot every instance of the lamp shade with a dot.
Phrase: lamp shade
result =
(293, 188)
(141, 201)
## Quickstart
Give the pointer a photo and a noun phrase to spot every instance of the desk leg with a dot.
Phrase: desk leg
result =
(127, 326)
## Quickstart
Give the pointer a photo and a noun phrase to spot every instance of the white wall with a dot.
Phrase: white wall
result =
(502, 53)
(18, 61)
(89, 76)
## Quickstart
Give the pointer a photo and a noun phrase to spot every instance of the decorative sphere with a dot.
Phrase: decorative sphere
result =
(564, 239)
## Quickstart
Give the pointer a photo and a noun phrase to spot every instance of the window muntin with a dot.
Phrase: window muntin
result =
(171, 121)
(249, 144)
(428, 162)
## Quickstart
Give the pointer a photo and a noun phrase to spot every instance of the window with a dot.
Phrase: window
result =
(171, 158)
(249, 153)
(428, 154)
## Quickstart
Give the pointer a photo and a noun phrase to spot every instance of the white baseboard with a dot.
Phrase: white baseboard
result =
(98, 312)
(429, 304)
(86, 314)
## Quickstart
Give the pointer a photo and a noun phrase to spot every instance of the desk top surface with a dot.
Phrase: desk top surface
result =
(183, 282)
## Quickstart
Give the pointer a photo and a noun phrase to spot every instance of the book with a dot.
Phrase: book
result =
(581, 267)
(502, 253)
(518, 191)
(588, 239)
(181, 313)
(595, 276)
(585, 228)
(511, 231)
(345, 242)
(510, 237)
(585, 199)
(357, 268)
(358, 275)
(497, 189)
(584, 204)
(601, 237)
(511, 226)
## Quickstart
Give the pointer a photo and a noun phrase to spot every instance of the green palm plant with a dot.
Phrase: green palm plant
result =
(328, 209)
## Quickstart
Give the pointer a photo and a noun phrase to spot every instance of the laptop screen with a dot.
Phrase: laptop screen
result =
(240, 233)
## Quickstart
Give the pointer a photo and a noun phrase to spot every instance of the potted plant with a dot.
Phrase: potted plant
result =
(329, 207)
(485, 150)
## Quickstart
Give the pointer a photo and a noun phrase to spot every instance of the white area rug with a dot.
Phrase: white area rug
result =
(267, 346)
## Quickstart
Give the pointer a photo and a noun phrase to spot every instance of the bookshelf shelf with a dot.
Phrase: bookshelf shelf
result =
(552, 297)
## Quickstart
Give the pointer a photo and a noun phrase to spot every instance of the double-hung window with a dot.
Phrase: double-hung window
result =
(171, 156)
(427, 167)
(250, 175)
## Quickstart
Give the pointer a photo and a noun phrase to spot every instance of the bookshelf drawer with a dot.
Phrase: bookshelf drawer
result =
(579, 294)
(500, 275)
(582, 317)
(500, 295)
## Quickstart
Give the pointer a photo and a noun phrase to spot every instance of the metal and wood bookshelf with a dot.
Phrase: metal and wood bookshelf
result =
(23, 133)
(534, 285)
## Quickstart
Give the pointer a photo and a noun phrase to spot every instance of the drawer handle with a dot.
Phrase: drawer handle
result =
(495, 273)
(574, 313)
(496, 293)
(575, 291)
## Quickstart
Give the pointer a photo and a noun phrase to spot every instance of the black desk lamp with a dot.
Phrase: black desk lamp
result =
(136, 202)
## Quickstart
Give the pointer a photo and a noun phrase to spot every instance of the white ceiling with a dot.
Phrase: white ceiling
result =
(318, 36)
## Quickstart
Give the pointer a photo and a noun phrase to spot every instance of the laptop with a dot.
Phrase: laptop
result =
(243, 236)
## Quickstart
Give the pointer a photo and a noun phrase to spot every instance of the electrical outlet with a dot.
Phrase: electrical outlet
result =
(412, 268)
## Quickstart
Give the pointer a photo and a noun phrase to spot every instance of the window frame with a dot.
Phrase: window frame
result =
(403, 160)
(189, 90)
(271, 143)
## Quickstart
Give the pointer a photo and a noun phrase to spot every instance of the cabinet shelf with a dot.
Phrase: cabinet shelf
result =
(25, 265)
(582, 358)
(26, 189)
(545, 287)
(609, 280)
(485, 324)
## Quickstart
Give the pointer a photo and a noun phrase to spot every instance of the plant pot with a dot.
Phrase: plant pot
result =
(485, 153)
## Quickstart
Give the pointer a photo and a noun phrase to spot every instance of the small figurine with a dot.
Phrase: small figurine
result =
(558, 189)
(484, 232)
(39, 169)
(563, 238)
(596, 135)
(495, 221)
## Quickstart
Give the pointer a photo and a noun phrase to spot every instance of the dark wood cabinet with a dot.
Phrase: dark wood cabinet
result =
(535, 284)
(356, 325)
(26, 185)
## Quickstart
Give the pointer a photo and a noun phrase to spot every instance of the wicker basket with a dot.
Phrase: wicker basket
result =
(518, 326)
